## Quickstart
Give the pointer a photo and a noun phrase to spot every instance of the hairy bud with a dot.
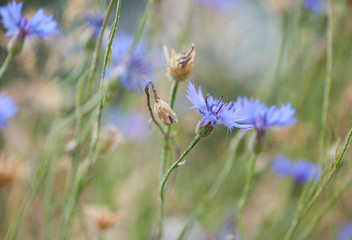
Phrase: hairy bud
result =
(204, 131)
(164, 112)
(179, 66)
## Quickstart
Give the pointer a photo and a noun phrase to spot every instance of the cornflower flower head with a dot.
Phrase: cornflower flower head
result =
(225, 5)
(40, 25)
(215, 111)
(263, 117)
(315, 6)
(345, 231)
(7, 109)
(129, 66)
(301, 170)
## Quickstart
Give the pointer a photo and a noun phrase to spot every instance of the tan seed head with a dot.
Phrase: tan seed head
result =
(179, 66)
(166, 115)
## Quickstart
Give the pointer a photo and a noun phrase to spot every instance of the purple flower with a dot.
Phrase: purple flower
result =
(133, 125)
(263, 117)
(316, 6)
(301, 170)
(225, 5)
(95, 21)
(40, 25)
(215, 111)
(345, 231)
(7, 109)
(129, 65)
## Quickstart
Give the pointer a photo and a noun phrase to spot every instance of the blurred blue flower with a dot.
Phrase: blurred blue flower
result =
(7, 109)
(133, 125)
(95, 21)
(40, 25)
(129, 65)
(225, 5)
(263, 117)
(345, 231)
(216, 111)
(301, 171)
(317, 6)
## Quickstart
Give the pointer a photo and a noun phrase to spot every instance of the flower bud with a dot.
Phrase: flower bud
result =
(109, 138)
(179, 66)
(164, 112)
(204, 131)
(16, 44)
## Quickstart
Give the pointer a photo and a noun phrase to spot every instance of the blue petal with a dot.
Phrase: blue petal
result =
(11, 17)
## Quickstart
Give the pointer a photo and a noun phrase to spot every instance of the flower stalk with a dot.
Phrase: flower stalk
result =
(6, 64)
(163, 183)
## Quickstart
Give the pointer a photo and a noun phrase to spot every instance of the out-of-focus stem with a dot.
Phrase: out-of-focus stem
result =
(245, 193)
(5, 65)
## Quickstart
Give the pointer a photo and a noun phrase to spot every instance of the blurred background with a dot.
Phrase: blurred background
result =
(273, 50)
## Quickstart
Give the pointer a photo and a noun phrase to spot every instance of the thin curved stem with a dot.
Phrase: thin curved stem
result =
(163, 183)
(94, 64)
(6, 64)
(327, 85)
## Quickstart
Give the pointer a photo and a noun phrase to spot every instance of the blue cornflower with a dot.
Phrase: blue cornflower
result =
(129, 65)
(301, 171)
(225, 5)
(345, 231)
(40, 25)
(7, 109)
(317, 6)
(263, 117)
(215, 111)
(95, 21)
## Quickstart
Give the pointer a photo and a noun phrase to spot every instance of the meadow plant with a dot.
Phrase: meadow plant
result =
(90, 159)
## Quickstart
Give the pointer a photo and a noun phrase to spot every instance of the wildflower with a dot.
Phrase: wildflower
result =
(179, 66)
(102, 218)
(7, 109)
(9, 170)
(40, 25)
(215, 111)
(301, 171)
(129, 66)
(263, 117)
(164, 112)
(345, 231)
(316, 6)
(225, 5)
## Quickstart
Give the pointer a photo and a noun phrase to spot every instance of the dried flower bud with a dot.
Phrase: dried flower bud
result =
(179, 66)
(10, 170)
(204, 131)
(102, 218)
(109, 138)
(164, 112)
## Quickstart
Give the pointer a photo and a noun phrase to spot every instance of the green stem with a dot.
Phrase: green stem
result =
(163, 183)
(217, 184)
(165, 149)
(73, 184)
(327, 86)
(5, 65)
(245, 193)
(94, 64)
